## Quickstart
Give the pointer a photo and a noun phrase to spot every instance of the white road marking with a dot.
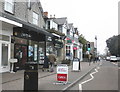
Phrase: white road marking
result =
(92, 77)
(114, 63)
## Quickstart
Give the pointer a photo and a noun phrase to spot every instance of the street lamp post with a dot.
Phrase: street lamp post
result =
(96, 48)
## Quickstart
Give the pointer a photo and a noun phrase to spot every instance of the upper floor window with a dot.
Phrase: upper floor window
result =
(9, 6)
(35, 18)
(68, 32)
(60, 28)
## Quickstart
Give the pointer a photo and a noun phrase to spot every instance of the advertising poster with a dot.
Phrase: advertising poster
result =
(35, 52)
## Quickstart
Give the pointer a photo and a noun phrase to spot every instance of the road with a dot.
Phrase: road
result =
(104, 78)
(47, 80)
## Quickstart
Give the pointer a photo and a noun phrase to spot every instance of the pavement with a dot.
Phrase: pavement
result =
(46, 80)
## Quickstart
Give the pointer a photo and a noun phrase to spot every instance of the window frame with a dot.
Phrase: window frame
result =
(35, 20)
(7, 8)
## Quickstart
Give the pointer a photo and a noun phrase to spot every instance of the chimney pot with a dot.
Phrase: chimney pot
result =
(46, 14)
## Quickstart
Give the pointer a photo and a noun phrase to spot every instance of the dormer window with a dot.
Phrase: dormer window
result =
(9, 6)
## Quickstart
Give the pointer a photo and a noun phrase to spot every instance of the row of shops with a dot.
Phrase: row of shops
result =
(25, 42)
(29, 43)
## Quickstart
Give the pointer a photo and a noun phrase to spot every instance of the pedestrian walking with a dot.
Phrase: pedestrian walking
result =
(52, 59)
(46, 64)
(89, 58)
(96, 59)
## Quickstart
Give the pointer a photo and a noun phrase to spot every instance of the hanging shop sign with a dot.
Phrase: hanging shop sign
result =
(75, 48)
(69, 40)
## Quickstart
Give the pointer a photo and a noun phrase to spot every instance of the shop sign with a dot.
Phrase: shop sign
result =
(69, 40)
(62, 77)
(20, 40)
(74, 48)
(49, 39)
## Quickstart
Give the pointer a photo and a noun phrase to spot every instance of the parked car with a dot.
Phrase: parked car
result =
(113, 58)
(107, 58)
(118, 58)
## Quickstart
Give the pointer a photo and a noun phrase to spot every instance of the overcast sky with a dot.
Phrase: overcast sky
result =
(91, 17)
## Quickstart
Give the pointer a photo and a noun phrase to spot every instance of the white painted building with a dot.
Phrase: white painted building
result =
(6, 30)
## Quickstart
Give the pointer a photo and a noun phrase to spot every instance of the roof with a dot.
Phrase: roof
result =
(61, 21)
(70, 25)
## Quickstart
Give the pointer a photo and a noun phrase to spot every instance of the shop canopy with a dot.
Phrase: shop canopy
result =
(25, 24)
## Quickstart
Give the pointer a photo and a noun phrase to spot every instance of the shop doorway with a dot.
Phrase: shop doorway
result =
(4, 59)
(74, 53)
(21, 55)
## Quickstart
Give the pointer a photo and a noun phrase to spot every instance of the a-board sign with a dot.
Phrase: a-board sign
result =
(62, 72)
(76, 64)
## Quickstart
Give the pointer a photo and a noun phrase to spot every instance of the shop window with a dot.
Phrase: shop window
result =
(68, 50)
(41, 52)
(35, 18)
(30, 53)
(33, 51)
(49, 47)
(60, 28)
(9, 6)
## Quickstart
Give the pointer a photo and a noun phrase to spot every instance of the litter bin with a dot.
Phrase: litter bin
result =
(31, 76)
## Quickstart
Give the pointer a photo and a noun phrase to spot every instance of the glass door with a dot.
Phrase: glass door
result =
(21, 55)
(4, 55)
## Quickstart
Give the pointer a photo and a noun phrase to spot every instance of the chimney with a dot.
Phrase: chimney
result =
(54, 15)
(46, 14)
(50, 16)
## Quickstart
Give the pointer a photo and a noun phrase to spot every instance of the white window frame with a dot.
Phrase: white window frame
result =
(35, 18)
(9, 6)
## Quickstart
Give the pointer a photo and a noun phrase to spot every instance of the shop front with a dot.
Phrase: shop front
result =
(4, 54)
(29, 46)
(21, 40)
(5, 36)
(58, 46)
(75, 51)
(69, 48)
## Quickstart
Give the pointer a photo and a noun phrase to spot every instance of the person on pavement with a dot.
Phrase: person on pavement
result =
(46, 64)
(90, 58)
(52, 59)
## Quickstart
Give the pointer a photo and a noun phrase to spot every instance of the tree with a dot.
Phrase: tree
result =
(83, 41)
(113, 45)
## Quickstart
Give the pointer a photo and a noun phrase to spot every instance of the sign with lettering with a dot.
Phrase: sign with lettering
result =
(76, 64)
(62, 72)
(61, 77)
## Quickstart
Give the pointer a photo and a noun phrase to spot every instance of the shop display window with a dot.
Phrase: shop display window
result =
(32, 51)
